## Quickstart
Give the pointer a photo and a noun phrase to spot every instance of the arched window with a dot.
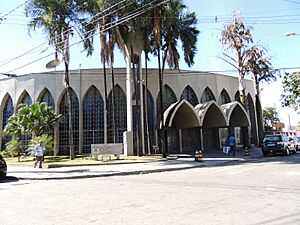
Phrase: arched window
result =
(26, 99)
(224, 97)
(207, 95)
(93, 119)
(148, 116)
(237, 96)
(64, 139)
(116, 119)
(7, 112)
(26, 137)
(189, 95)
(47, 98)
(251, 110)
(169, 97)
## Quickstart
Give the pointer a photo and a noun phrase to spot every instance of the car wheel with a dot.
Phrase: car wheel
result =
(266, 153)
(2, 176)
(287, 152)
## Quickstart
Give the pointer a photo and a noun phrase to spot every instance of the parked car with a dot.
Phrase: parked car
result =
(297, 143)
(3, 168)
(277, 143)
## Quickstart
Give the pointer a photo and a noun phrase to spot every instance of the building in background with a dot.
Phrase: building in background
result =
(200, 109)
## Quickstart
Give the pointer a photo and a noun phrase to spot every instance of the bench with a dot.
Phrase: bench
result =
(106, 151)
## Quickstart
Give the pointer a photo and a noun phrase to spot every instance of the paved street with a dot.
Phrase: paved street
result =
(260, 192)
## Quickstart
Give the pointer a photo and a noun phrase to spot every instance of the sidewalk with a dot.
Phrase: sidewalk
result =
(129, 168)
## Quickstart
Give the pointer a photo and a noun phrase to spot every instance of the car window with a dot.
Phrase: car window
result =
(272, 138)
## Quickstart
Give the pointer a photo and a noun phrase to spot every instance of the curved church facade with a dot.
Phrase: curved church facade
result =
(200, 109)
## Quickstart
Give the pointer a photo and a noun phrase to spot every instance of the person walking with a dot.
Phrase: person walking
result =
(232, 144)
(39, 150)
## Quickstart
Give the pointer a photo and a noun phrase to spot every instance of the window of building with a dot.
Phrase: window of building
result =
(93, 119)
(64, 139)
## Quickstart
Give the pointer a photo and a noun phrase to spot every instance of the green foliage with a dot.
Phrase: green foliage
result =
(47, 142)
(270, 116)
(14, 147)
(37, 118)
(291, 88)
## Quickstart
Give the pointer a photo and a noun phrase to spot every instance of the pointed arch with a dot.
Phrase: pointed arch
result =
(169, 97)
(224, 97)
(64, 126)
(8, 111)
(236, 114)
(93, 118)
(207, 95)
(237, 97)
(24, 99)
(148, 116)
(189, 95)
(211, 115)
(46, 96)
(251, 110)
(181, 115)
(120, 119)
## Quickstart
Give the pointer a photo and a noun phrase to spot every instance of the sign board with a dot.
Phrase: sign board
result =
(102, 149)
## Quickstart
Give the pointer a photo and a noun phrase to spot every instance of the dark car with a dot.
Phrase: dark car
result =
(277, 143)
(297, 143)
(3, 168)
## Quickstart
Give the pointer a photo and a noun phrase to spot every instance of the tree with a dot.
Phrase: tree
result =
(178, 25)
(259, 64)
(171, 25)
(58, 19)
(270, 116)
(37, 118)
(291, 89)
(15, 147)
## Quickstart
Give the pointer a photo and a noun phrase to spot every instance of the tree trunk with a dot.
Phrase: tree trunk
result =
(113, 102)
(162, 138)
(106, 101)
(146, 106)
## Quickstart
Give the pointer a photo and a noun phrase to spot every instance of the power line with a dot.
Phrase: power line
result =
(121, 20)
(5, 15)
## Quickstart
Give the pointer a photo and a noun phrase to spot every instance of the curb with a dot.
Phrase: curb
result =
(137, 172)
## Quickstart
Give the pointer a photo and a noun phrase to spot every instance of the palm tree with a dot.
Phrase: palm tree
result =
(173, 24)
(178, 25)
(57, 18)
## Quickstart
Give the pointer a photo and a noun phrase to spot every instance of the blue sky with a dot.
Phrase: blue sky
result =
(270, 19)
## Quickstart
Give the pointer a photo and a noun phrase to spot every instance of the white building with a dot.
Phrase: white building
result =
(200, 109)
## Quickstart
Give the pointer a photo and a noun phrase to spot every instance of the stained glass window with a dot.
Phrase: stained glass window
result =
(169, 97)
(7, 112)
(64, 142)
(224, 97)
(189, 95)
(93, 119)
(207, 95)
(148, 116)
(116, 116)
(47, 98)
(26, 137)
(251, 110)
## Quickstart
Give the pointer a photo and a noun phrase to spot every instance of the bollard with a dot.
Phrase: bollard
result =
(246, 151)
(198, 156)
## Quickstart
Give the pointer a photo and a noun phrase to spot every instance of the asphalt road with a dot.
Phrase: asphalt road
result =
(258, 193)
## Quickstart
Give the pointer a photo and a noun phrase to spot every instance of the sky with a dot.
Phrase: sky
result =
(270, 21)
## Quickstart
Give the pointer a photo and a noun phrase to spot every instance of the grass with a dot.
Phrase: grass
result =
(78, 159)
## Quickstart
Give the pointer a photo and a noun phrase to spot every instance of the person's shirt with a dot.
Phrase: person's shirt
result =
(231, 140)
(39, 150)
